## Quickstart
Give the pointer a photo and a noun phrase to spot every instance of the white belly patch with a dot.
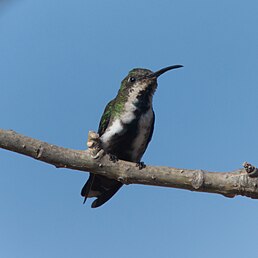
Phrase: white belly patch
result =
(115, 128)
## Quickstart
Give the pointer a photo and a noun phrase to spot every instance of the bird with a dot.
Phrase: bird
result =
(125, 128)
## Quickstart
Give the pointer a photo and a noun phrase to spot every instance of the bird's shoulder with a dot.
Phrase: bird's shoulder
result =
(105, 118)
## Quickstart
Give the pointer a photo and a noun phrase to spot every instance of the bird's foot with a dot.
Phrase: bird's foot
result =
(93, 144)
(113, 158)
(141, 165)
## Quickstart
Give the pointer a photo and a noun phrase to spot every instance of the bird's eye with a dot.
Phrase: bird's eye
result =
(131, 79)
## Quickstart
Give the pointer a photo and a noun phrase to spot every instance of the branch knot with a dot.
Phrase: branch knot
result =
(39, 152)
(198, 179)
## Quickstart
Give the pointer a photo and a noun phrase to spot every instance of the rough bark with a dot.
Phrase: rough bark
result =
(239, 182)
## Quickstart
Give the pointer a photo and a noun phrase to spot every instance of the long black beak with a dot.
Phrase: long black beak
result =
(163, 70)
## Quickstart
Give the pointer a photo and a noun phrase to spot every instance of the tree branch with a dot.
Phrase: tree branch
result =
(229, 184)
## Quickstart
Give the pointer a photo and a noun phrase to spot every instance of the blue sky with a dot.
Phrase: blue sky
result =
(62, 61)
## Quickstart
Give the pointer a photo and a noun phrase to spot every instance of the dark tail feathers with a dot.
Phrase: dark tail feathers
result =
(101, 187)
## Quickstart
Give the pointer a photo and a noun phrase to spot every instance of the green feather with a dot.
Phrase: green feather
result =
(104, 121)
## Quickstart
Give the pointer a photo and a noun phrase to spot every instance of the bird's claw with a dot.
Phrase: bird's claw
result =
(141, 165)
(113, 158)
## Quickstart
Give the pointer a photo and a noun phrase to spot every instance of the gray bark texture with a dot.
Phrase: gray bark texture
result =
(239, 182)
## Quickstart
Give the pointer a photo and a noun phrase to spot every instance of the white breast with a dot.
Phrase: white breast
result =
(144, 129)
(115, 128)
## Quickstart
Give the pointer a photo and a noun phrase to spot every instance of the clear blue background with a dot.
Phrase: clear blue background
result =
(62, 61)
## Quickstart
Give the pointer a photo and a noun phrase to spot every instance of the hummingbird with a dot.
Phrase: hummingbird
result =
(125, 128)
